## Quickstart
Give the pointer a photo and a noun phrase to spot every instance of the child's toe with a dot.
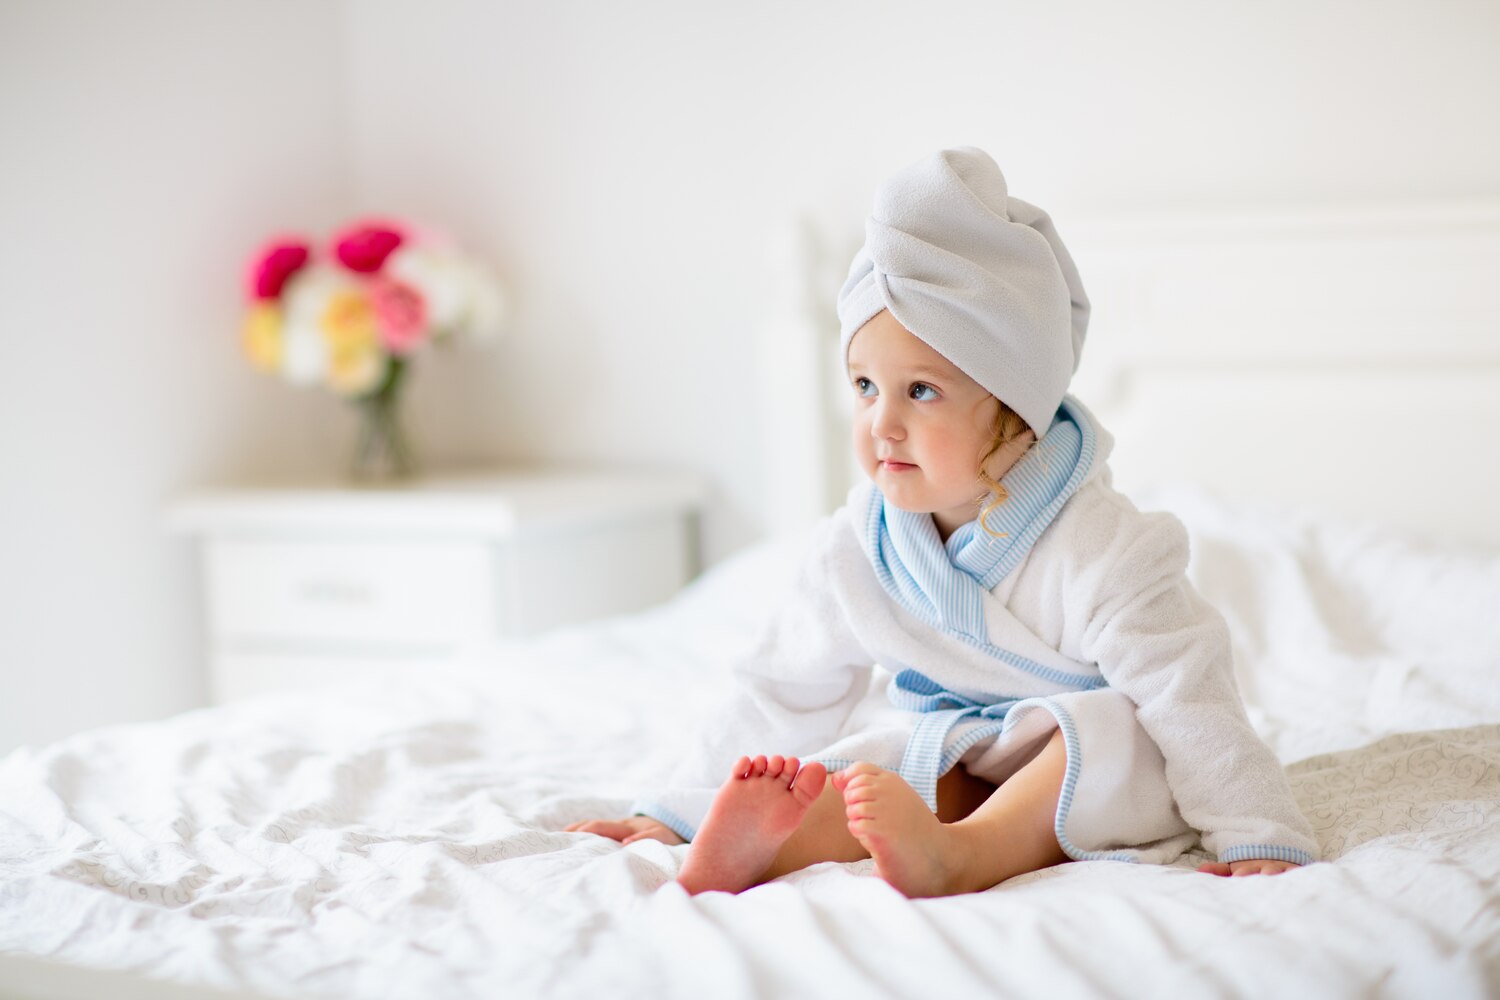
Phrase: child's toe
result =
(809, 782)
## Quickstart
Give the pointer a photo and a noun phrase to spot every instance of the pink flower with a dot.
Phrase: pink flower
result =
(363, 246)
(400, 314)
(272, 265)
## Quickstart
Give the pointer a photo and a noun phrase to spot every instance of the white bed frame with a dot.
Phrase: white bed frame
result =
(1345, 363)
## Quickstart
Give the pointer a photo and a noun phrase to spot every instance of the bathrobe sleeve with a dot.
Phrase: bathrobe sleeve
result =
(1161, 644)
(795, 687)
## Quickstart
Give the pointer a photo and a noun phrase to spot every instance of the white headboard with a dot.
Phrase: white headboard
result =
(1343, 363)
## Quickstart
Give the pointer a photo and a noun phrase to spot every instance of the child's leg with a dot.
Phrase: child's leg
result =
(824, 834)
(1010, 834)
(762, 803)
(767, 821)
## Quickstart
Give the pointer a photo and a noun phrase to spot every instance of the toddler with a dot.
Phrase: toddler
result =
(991, 661)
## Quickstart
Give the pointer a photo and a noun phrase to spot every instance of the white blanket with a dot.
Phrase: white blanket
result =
(401, 842)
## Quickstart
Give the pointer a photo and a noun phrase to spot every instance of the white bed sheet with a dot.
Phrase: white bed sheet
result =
(401, 840)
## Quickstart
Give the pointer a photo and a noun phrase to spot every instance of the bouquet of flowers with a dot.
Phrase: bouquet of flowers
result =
(352, 318)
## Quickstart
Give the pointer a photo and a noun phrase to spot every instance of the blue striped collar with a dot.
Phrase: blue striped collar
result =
(941, 583)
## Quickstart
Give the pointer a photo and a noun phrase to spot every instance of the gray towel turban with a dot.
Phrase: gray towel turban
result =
(979, 276)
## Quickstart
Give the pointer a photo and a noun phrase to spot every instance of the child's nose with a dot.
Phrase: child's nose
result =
(887, 422)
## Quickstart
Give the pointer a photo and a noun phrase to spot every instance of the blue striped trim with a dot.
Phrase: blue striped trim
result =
(1265, 852)
(1070, 780)
(671, 820)
(1052, 675)
(1079, 682)
(924, 752)
(1034, 482)
(961, 745)
(947, 578)
(941, 710)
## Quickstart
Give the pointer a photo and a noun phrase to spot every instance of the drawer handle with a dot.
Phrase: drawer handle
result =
(336, 592)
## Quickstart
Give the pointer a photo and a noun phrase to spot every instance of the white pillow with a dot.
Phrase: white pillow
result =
(1344, 633)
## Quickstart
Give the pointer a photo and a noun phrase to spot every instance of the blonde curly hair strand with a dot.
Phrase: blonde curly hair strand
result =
(1007, 427)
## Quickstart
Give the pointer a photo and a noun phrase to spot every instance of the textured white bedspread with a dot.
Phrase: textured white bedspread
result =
(400, 841)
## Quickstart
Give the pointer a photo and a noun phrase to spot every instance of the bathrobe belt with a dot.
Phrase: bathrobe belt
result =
(941, 711)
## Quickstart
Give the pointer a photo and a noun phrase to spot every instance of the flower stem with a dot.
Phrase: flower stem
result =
(383, 451)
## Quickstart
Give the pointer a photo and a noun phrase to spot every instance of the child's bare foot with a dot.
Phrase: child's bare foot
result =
(913, 851)
(756, 810)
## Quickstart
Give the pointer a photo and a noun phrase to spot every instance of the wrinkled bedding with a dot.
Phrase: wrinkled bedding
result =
(401, 840)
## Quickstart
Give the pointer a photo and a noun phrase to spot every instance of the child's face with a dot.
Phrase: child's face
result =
(921, 426)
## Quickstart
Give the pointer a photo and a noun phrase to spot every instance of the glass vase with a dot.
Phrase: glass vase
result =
(383, 451)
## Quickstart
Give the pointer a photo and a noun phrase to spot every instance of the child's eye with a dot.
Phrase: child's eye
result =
(917, 387)
(860, 384)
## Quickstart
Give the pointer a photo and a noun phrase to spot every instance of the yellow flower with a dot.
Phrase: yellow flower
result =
(262, 337)
(348, 320)
(356, 367)
(356, 363)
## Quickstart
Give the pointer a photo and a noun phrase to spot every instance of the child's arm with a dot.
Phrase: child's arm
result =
(1157, 641)
(628, 830)
(1259, 866)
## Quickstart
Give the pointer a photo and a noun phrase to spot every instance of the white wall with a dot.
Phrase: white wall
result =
(626, 162)
(623, 165)
(144, 145)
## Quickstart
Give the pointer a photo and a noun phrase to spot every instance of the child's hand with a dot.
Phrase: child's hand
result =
(1251, 866)
(627, 831)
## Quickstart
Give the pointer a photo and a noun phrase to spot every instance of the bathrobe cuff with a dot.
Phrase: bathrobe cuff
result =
(666, 817)
(1266, 852)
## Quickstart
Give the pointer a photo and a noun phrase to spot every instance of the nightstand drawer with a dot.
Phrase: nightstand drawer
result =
(326, 583)
(419, 591)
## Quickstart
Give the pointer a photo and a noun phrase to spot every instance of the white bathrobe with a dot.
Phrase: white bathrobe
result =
(1109, 643)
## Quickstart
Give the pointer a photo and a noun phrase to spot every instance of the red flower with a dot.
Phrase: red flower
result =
(272, 265)
(364, 246)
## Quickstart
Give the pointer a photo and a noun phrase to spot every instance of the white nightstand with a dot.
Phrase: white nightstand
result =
(312, 584)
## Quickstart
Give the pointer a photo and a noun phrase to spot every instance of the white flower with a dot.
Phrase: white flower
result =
(439, 275)
(308, 292)
(304, 300)
(304, 358)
